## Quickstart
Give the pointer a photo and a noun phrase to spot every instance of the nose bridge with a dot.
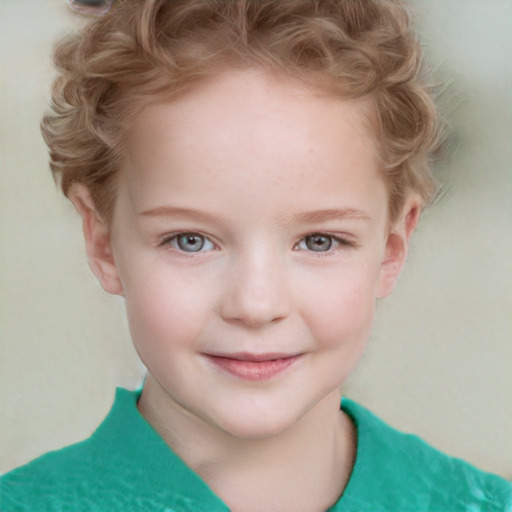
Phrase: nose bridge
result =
(258, 291)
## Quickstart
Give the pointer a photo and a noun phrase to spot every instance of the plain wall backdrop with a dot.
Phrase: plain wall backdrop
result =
(440, 360)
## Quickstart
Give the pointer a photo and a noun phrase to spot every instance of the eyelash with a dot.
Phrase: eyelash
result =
(168, 241)
(340, 243)
(171, 241)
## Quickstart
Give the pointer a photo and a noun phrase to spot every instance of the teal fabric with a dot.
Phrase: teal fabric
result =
(396, 472)
(126, 466)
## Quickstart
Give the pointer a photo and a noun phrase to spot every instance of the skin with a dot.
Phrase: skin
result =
(252, 166)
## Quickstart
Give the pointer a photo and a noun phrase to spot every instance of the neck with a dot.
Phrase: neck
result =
(304, 468)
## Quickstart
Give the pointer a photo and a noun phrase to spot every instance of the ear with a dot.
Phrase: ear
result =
(397, 246)
(97, 240)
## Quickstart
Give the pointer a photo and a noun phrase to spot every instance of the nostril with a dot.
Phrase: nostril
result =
(254, 314)
(258, 292)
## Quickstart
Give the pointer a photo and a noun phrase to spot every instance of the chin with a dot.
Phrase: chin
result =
(256, 425)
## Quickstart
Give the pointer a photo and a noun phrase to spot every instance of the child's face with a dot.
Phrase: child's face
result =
(250, 225)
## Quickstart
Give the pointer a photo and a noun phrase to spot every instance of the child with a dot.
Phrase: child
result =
(249, 175)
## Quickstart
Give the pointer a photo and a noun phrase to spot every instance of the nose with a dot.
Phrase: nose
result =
(257, 291)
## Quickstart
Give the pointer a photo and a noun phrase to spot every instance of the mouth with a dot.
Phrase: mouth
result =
(253, 367)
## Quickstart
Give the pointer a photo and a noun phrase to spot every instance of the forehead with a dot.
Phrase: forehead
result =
(242, 98)
(250, 129)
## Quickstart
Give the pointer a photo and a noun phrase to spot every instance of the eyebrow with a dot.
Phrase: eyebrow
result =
(330, 214)
(315, 216)
(172, 211)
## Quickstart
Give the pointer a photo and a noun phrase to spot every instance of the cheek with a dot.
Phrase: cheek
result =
(164, 311)
(340, 311)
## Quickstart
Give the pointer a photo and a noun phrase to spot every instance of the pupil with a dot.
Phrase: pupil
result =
(191, 243)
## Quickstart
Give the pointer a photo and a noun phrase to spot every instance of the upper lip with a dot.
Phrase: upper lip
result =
(254, 358)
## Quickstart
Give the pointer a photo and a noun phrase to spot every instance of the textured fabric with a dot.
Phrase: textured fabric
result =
(396, 472)
(126, 466)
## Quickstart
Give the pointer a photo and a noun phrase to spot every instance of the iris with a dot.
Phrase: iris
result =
(190, 242)
(318, 243)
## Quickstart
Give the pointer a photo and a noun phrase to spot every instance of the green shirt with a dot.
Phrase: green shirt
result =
(126, 466)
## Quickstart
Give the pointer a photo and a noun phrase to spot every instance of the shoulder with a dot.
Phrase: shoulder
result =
(397, 471)
(124, 466)
(62, 471)
(76, 473)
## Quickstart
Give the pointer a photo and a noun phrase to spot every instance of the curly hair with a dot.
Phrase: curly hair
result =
(145, 50)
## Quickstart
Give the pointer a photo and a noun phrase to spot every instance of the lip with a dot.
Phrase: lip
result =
(253, 367)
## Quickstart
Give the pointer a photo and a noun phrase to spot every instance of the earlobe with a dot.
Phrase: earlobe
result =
(397, 247)
(97, 240)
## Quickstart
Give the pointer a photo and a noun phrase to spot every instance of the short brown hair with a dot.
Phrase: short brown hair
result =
(143, 50)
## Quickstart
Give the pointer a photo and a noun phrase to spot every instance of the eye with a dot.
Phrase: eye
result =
(94, 7)
(189, 242)
(320, 242)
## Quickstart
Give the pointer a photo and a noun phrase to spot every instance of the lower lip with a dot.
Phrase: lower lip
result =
(253, 370)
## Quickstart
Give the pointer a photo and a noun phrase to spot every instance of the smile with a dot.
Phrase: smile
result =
(254, 367)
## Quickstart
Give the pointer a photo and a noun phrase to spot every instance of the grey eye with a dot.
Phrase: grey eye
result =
(190, 242)
(318, 242)
(94, 7)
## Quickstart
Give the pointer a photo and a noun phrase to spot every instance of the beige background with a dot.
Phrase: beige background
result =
(440, 360)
